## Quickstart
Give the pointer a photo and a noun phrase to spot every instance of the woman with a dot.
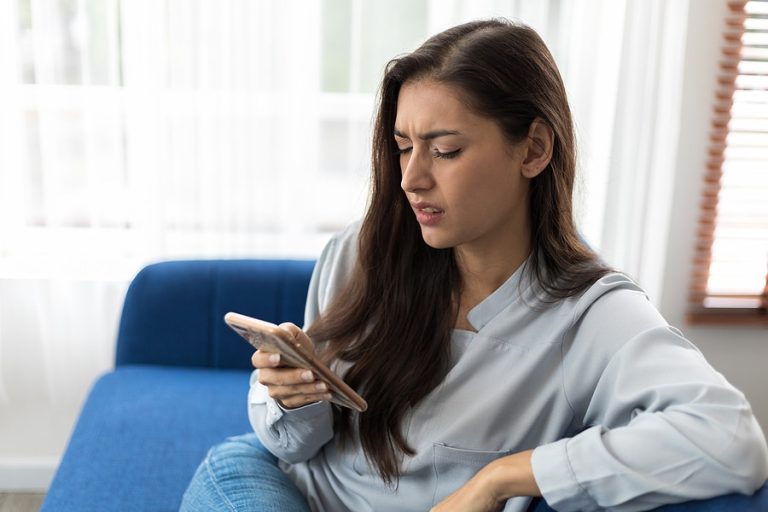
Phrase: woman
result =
(500, 358)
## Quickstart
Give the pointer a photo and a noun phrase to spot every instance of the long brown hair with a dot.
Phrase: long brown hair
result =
(393, 321)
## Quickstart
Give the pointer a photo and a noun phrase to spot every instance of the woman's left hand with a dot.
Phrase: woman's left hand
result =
(490, 488)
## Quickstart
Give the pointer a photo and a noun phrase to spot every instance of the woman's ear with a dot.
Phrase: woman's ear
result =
(538, 148)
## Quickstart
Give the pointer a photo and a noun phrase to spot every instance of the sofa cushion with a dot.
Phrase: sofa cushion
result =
(132, 450)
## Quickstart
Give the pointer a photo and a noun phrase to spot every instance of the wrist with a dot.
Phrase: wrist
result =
(512, 476)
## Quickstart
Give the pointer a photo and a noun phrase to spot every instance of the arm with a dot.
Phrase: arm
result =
(655, 424)
(493, 485)
(298, 429)
(661, 427)
(292, 435)
(287, 406)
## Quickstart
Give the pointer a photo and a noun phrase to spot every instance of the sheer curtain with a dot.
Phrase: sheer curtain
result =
(141, 130)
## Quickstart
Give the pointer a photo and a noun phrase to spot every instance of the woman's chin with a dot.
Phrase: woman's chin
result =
(436, 240)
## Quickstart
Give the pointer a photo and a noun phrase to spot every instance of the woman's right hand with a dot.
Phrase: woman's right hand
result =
(292, 387)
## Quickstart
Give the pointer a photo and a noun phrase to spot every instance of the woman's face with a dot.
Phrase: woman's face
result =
(461, 175)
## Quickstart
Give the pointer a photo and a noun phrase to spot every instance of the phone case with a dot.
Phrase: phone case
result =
(274, 339)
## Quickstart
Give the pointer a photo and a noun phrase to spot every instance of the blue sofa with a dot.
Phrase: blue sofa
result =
(180, 383)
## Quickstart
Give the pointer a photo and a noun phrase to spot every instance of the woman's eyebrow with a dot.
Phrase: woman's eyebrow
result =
(429, 135)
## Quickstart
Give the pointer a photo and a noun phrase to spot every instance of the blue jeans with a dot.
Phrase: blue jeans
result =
(238, 475)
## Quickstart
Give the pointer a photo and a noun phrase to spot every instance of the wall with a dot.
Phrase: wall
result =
(740, 353)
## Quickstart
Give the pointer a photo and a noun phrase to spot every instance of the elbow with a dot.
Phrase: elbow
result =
(294, 445)
(758, 475)
(747, 459)
(291, 458)
(301, 452)
(295, 457)
(289, 452)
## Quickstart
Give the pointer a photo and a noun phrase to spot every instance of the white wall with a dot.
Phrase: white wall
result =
(740, 353)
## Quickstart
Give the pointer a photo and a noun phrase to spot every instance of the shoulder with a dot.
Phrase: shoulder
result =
(611, 313)
(340, 253)
(614, 322)
(332, 270)
(619, 338)
(615, 303)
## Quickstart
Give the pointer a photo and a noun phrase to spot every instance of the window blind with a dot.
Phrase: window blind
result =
(730, 268)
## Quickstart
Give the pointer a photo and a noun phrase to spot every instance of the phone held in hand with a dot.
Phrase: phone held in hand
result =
(271, 338)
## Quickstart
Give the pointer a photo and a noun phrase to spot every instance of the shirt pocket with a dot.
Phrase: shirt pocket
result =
(455, 466)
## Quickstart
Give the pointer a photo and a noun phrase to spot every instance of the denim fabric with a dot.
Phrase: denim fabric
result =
(241, 475)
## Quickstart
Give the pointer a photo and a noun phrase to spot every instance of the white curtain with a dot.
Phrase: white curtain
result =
(624, 73)
(138, 130)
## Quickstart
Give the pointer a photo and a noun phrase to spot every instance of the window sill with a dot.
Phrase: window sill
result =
(728, 316)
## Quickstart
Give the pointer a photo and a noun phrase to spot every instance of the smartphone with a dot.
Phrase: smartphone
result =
(271, 338)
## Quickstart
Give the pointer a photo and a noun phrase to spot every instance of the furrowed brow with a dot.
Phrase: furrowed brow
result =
(429, 135)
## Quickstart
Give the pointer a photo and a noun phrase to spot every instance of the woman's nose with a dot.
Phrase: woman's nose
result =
(416, 171)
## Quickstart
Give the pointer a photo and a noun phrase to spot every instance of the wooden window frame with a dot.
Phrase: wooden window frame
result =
(719, 308)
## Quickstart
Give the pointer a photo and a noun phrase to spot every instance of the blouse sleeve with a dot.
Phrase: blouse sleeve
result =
(296, 435)
(657, 423)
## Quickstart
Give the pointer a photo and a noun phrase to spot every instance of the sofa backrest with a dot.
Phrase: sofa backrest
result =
(173, 311)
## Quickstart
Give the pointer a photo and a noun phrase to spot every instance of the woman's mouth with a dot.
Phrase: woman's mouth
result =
(427, 215)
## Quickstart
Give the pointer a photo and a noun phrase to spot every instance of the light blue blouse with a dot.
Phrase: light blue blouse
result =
(623, 412)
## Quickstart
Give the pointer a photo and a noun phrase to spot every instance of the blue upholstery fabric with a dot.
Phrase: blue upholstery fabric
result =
(141, 435)
(180, 387)
(146, 426)
(173, 312)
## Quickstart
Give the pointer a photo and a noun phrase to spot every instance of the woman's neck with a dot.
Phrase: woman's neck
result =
(484, 270)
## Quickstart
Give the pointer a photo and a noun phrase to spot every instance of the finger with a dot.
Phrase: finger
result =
(291, 328)
(301, 390)
(285, 376)
(264, 359)
(302, 400)
(298, 335)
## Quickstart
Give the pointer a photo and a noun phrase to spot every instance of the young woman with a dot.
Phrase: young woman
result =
(500, 358)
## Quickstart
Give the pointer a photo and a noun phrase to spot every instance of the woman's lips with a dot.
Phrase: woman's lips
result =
(427, 214)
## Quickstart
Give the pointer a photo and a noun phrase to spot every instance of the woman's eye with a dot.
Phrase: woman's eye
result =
(402, 151)
(447, 155)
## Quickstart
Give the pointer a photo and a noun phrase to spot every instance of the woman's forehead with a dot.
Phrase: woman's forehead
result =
(428, 105)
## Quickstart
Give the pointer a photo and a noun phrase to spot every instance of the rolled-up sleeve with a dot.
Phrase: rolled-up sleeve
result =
(660, 425)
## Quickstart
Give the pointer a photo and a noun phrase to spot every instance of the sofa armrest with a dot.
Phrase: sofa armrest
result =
(173, 311)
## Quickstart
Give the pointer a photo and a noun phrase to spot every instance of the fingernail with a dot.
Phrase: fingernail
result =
(320, 386)
(274, 358)
(307, 376)
(327, 396)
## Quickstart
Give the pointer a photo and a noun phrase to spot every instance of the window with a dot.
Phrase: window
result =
(730, 279)
(195, 128)
(192, 129)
